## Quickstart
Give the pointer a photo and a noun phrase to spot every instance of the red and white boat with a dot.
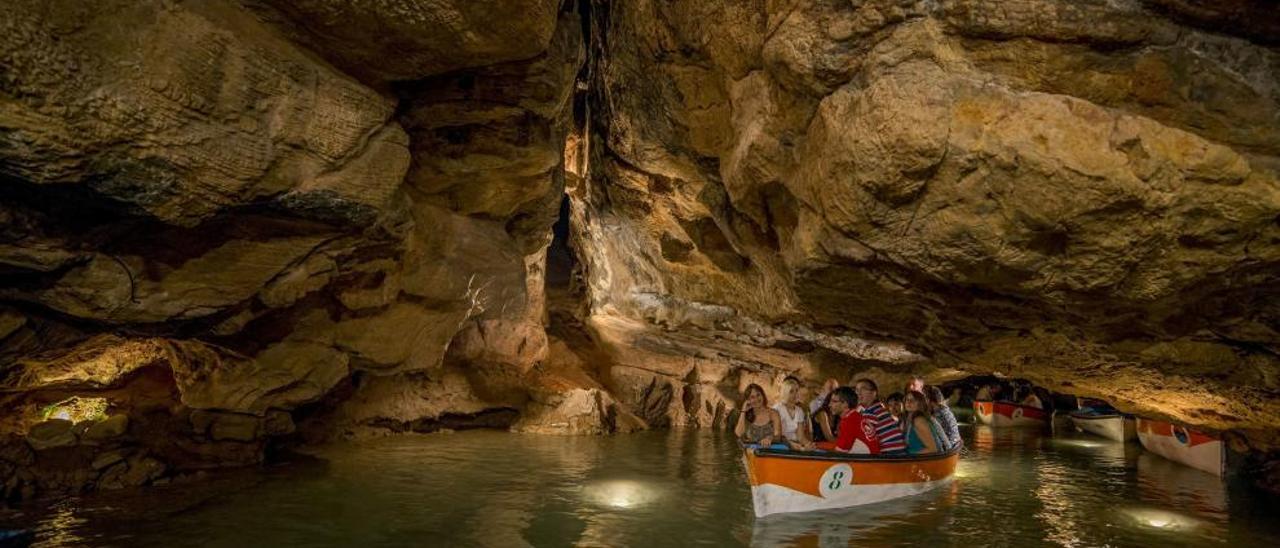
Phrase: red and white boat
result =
(1179, 444)
(802, 481)
(1003, 413)
(1113, 426)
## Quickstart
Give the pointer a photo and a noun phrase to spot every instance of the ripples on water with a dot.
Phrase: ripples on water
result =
(1014, 487)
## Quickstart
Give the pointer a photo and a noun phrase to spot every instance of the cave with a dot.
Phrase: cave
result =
(561, 262)
(235, 232)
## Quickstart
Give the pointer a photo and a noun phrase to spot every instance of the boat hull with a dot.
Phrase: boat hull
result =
(999, 413)
(1179, 444)
(787, 482)
(1112, 427)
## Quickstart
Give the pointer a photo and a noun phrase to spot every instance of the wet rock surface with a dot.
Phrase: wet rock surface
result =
(1042, 189)
(258, 223)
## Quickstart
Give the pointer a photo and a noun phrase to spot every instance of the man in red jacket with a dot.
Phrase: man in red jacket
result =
(855, 434)
(867, 428)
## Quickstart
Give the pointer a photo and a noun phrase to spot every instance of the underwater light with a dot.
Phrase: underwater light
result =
(966, 469)
(621, 494)
(1161, 519)
(1079, 443)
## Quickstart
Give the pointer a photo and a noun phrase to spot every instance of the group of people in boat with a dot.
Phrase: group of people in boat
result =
(1021, 394)
(851, 419)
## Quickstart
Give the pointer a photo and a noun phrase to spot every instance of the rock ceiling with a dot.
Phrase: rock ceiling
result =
(256, 220)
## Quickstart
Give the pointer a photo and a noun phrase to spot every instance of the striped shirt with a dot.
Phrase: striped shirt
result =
(887, 431)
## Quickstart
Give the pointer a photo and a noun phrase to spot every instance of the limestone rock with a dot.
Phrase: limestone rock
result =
(406, 335)
(287, 374)
(105, 288)
(578, 412)
(10, 321)
(278, 423)
(51, 433)
(914, 184)
(101, 362)
(111, 427)
(235, 427)
(106, 459)
(413, 40)
(229, 112)
(136, 471)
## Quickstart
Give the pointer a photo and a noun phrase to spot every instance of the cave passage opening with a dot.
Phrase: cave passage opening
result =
(561, 259)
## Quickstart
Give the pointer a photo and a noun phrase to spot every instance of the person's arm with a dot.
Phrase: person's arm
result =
(816, 403)
(803, 433)
(740, 429)
(921, 426)
(824, 424)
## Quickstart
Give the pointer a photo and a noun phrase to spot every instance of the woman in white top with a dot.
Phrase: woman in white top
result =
(795, 421)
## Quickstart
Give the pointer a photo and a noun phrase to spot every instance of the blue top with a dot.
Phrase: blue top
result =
(915, 445)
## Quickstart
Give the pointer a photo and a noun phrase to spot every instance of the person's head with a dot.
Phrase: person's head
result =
(842, 399)
(935, 396)
(790, 390)
(894, 403)
(868, 392)
(753, 398)
(916, 383)
(916, 403)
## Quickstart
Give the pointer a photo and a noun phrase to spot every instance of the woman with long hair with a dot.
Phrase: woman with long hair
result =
(792, 415)
(826, 425)
(758, 423)
(923, 433)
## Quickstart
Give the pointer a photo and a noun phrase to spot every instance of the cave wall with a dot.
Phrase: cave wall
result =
(252, 222)
(1079, 193)
(247, 221)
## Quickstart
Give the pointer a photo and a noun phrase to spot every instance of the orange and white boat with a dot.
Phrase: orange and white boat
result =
(1003, 413)
(1179, 444)
(802, 481)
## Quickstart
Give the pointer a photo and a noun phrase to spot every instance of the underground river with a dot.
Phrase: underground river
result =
(1014, 487)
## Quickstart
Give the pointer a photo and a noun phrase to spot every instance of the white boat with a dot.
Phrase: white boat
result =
(1112, 426)
(1003, 413)
(1179, 444)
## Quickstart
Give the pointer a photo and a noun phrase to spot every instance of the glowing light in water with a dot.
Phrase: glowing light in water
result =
(1161, 519)
(1079, 443)
(621, 494)
(967, 469)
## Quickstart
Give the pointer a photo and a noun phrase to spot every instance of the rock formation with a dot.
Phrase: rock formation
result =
(244, 223)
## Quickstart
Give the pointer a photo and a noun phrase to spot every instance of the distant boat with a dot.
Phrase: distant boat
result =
(1113, 426)
(1003, 413)
(802, 481)
(1179, 444)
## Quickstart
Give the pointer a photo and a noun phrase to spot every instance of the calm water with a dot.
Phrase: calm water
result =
(1013, 488)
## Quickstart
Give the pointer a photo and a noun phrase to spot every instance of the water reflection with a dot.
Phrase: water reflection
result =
(1167, 483)
(1013, 487)
(876, 524)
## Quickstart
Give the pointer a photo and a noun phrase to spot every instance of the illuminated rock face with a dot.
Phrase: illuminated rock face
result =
(253, 222)
(1084, 194)
(212, 219)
